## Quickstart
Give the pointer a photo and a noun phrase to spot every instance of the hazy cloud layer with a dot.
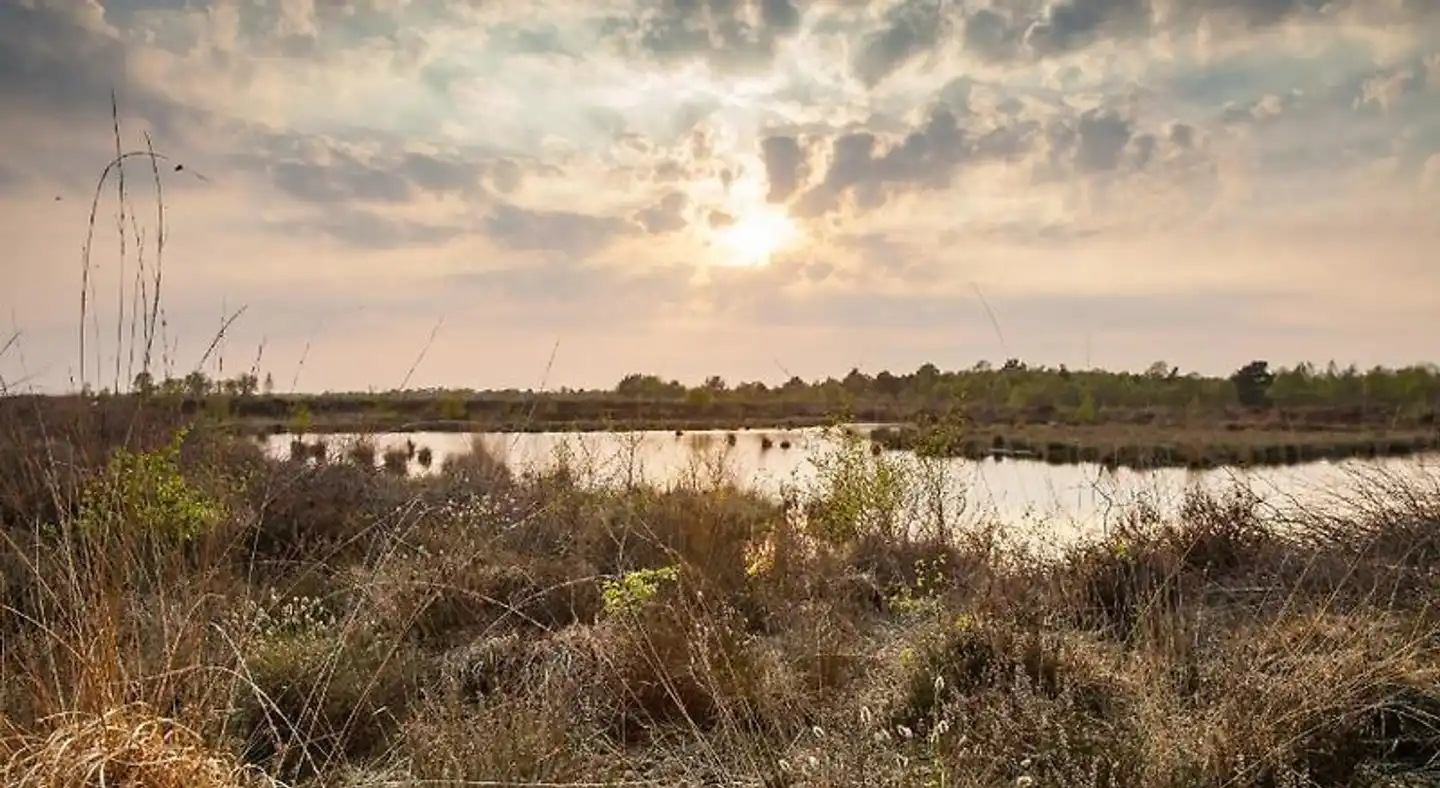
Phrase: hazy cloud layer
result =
(709, 186)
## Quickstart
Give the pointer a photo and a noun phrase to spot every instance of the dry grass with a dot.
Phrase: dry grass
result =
(123, 747)
(344, 625)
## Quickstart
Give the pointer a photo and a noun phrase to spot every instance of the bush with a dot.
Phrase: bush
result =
(316, 514)
(321, 692)
(146, 491)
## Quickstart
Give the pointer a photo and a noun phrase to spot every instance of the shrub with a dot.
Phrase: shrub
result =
(315, 513)
(629, 593)
(362, 453)
(396, 462)
(321, 692)
(146, 492)
(675, 665)
(858, 493)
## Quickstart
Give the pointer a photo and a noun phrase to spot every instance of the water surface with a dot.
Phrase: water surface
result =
(1055, 501)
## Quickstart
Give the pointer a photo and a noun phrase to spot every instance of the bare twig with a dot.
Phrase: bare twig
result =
(424, 350)
(220, 335)
(159, 252)
(121, 199)
(85, 265)
(304, 353)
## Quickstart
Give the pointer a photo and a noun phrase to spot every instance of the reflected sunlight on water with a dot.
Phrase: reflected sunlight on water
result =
(1055, 501)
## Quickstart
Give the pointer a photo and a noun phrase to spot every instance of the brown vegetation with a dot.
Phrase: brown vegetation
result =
(1141, 447)
(214, 618)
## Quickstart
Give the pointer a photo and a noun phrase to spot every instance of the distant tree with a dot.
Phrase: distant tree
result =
(856, 382)
(144, 384)
(888, 385)
(700, 398)
(636, 385)
(269, 384)
(1252, 384)
(453, 408)
(1085, 411)
(752, 389)
(197, 384)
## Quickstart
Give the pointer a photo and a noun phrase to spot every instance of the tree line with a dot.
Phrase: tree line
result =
(1017, 385)
(1013, 385)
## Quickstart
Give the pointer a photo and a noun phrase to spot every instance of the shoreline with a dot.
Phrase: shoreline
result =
(1194, 449)
(1105, 445)
(1139, 439)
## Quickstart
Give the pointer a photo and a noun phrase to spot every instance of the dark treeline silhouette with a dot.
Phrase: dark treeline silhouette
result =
(1014, 392)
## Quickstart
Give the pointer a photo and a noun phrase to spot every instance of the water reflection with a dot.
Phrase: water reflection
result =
(1059, 501)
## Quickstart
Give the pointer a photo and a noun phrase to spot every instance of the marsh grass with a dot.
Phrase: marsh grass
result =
(335, 621)
(1146, 447)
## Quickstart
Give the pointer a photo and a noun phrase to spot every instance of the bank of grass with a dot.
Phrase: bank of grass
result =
(1141, 447)
(194, 613)
(1134, 437)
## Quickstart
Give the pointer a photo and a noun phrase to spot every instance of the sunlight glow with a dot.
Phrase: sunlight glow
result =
(754, 239)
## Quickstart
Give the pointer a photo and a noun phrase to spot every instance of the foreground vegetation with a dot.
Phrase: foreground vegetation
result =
(183, 611)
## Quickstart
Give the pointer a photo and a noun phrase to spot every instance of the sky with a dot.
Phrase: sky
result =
(560, 192)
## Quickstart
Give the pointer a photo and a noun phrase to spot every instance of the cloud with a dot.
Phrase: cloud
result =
(739, 35)
(575, 234)
(366, 229)
(786, 166)
(910, 28)
(866, 169)
(1196, 180)
(57, 57)
(317, 169)
(665, 216)
(11, 179)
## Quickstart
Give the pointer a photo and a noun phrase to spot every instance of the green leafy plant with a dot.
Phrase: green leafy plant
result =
(300, 418)
(633, 590)
(922, 596)
(146, 492)
(860, 492)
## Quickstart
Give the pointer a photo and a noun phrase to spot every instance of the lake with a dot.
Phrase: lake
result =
(1057, 502)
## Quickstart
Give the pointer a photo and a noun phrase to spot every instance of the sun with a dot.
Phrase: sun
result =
(755, 237)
